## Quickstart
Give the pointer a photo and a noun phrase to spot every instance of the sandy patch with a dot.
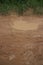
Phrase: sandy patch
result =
(23, 25)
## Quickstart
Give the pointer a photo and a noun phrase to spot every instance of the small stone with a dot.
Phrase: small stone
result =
(11, 57)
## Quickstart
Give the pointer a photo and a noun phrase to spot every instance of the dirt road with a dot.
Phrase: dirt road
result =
(21, 40)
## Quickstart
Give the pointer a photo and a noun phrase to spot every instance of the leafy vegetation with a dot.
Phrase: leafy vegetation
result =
(21, 5)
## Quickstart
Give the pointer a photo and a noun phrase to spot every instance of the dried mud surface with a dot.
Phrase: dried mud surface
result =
(21, 40)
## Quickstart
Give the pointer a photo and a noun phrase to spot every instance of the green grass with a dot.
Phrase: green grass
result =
(20, 6)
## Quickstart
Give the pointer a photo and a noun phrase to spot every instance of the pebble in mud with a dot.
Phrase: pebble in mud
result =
(11, 57)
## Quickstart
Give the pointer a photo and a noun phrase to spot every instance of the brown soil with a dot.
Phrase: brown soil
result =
(21, 40)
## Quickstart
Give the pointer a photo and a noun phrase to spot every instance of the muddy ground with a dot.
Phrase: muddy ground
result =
(21, 40)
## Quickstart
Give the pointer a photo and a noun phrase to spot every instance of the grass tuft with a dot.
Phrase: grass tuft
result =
(20, 6)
